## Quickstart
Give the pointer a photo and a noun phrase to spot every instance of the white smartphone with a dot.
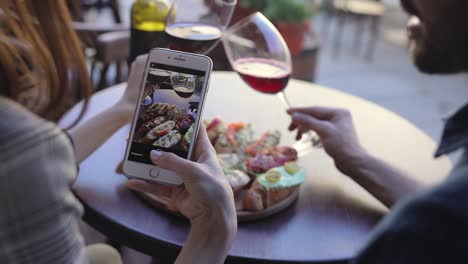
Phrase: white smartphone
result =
(168, 112)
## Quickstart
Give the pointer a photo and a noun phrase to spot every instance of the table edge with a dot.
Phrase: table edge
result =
(117, 232)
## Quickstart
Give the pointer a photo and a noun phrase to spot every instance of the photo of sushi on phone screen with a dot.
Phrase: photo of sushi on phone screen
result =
(167, 112)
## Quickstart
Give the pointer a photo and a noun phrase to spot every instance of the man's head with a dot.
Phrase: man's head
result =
(438, 34)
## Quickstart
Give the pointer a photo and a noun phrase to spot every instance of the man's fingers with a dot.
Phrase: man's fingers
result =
(307, 122)
(172, 162)
(300, 132)
(152, 188)
(298, 136)
(292, 126)
(319, 112)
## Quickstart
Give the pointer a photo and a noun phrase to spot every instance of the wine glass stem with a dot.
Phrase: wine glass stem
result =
(211, 48)
(311, 136)
(284, 99)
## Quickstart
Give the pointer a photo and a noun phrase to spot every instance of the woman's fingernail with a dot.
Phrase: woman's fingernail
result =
(155, 154)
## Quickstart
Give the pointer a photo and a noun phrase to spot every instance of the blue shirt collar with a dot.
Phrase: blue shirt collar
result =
(455, 133)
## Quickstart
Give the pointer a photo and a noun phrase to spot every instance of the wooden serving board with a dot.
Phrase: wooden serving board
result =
(160, 203)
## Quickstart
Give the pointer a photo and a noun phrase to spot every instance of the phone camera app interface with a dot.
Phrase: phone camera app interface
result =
(168, 111)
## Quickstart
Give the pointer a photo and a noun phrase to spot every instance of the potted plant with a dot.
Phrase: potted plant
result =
(291, 18)
(245, 8)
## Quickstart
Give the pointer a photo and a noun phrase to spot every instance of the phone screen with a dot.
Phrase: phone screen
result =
(168, 110)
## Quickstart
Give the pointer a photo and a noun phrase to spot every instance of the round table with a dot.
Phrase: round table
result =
(333, 216)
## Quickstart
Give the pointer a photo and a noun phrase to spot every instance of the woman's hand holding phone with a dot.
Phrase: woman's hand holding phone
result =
(129, 99)
(91, 134)
(205, 198)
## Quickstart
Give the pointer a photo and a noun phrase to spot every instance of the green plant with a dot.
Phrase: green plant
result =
(255, 4)
(292, 11)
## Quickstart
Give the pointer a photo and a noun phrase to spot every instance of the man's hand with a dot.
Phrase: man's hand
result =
(338, 137)
(206, 199)
(336, 130)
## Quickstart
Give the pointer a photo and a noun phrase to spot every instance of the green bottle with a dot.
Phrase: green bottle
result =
(148, 21)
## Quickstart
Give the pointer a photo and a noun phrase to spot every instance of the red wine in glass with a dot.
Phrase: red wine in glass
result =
(263, 75)
(158, 77)
(184, 92)
(192, 37)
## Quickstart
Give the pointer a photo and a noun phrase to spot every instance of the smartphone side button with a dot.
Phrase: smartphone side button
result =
(154, 173)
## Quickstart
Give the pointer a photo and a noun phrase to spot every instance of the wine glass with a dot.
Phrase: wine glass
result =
(155, 78)
(183, 84)
(159, 76)
(197, 26)
(259, 54)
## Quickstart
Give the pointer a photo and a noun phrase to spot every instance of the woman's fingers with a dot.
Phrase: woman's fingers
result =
(137, 71)
(203, 135)
(152, 188)
(172, 162)
(204, 154)
(204, 150)
(179, 194)
(173, 193)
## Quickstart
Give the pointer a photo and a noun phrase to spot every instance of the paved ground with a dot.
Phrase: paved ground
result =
(390, 79)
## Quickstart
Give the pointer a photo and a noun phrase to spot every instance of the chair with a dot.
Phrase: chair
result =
(111, 45)
(81, 6)
(106, 44)
(360, 11)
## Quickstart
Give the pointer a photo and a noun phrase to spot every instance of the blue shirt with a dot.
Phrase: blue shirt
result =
(432, 226)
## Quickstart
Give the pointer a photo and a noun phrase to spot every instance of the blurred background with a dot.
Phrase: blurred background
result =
(359, 48)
